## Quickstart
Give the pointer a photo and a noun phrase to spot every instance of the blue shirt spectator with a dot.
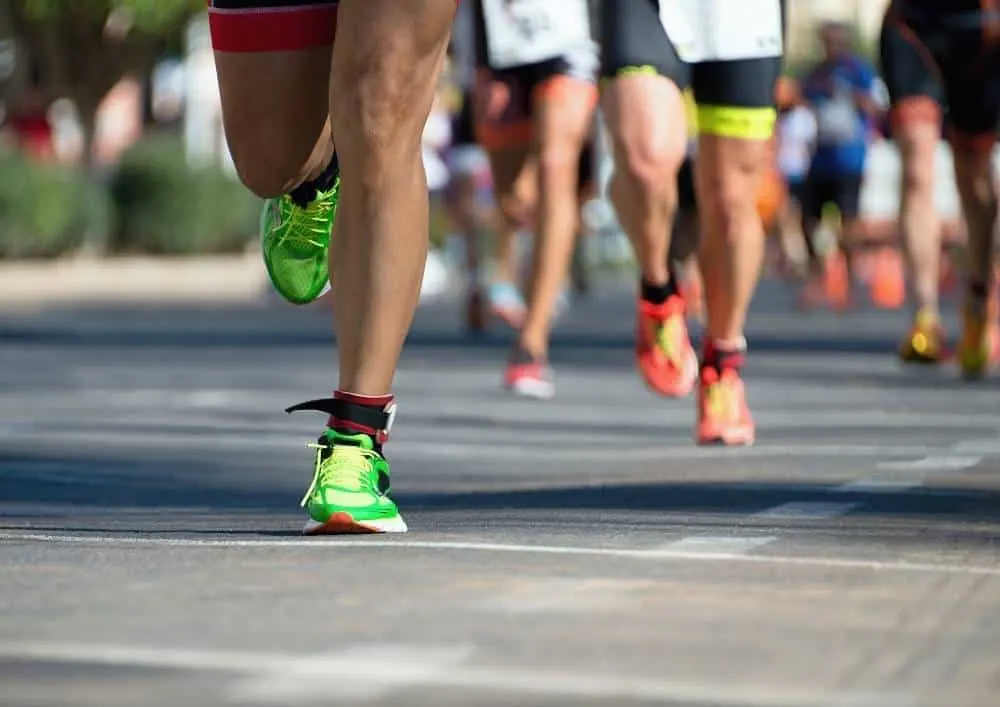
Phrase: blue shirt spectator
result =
(842, 92)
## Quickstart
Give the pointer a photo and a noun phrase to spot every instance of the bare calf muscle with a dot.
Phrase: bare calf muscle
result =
(373, 88)
(734, 94)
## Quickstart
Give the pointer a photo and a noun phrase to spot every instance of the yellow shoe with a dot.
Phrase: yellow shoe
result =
(926, 341)
(979, 346)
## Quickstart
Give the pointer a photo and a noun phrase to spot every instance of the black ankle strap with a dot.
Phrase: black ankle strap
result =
(378, 419)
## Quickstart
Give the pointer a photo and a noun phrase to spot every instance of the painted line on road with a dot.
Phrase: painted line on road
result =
(989, 446)
(347, 544)
(933, 463)
(805, 510)
(908, 474)
(719, 544)
(877, 485)
(277, 678)
(307, 680)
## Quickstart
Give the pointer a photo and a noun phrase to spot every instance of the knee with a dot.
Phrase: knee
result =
(918, 181)
(918, 151)
(651, 166)
(974, 174)
(729, 198)
(516, 211)
(558, 160)
(379, 110)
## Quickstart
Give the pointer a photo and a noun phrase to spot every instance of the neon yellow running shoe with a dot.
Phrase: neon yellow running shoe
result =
(295, 241)
(349, 492)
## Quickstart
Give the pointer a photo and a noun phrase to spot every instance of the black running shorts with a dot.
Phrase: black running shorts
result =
(735, 98)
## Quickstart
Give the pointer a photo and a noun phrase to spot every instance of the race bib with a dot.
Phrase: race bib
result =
(520, 32)
(723, 30)
(836, 122)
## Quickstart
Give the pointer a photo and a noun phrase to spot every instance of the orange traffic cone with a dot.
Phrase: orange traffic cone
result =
(888, 284)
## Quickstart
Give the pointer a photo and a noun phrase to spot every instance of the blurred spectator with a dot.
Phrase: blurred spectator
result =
(28, 124)
(842, 91)
(68, 138)
(796, 139)
(119, 121)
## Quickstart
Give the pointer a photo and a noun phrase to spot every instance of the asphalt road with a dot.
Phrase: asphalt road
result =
(564, 553)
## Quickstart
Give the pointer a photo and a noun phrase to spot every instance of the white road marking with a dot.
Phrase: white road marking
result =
(876, 485)
(347, 544)
(331, 674)
(806, 510)
(720, 544)
(309, 680)
(909, 474)
(952, 462)
(987, 447)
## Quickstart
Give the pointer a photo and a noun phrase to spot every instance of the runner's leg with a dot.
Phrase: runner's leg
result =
(971, 72)
(736, 117)
(563, 113)
(644, 114)
(915, 92)
(972, 149)
(384, 76)
(274, 94)
(273, 64)
(504, 129)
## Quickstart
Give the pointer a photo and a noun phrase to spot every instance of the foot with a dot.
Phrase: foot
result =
(979, 346)
(723, 414)
(664, 355)
(295, 241)
(349, 492)
(529, 376)
(926, 341)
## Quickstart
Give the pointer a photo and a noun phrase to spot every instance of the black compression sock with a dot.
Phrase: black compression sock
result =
(305, 193)
(658, 294)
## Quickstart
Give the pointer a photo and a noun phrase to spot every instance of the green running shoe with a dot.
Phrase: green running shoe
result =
(350, 488)
(295, 241)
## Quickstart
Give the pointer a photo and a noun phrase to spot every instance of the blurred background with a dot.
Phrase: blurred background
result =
(112, 145)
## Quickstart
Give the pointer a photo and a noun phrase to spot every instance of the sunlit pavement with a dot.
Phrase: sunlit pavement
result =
(561, 553)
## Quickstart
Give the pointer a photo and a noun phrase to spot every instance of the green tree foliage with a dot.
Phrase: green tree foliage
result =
(151, 16)
(82, 48)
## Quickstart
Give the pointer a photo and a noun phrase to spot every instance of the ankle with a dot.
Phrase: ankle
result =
(305, 193)
(724, 354)
(657, 293)
(347, 423)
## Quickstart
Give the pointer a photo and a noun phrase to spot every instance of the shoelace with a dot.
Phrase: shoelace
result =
(668, 334)
(346, 467)
(720, 399)
(310, 224)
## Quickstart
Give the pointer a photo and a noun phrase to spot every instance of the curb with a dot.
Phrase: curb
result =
(237, 279)
(159, 280)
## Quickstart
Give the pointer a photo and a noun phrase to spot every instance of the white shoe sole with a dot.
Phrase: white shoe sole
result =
(535, 389)
(344, 524)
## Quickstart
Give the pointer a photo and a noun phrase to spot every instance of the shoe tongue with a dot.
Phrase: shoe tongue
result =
(355, 439)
